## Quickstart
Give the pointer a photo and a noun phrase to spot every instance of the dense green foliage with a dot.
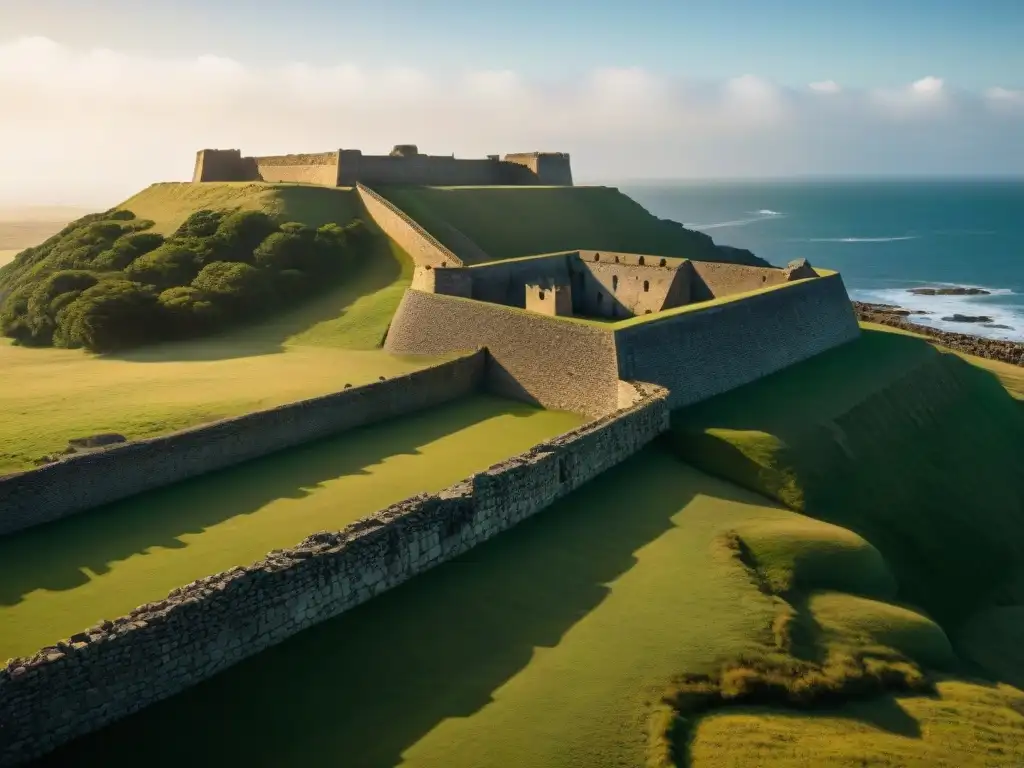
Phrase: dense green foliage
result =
(105, 283)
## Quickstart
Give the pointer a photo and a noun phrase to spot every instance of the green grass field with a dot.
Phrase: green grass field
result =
(61, 578)
(508, 222)
(51, 395)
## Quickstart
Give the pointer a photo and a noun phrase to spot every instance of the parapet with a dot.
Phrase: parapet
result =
(405, 164)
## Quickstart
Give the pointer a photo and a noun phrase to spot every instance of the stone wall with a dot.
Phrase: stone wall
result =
(319, 168)
(162, 648)
(89, 480)
(559, 364)
(422, 247)
(709, 280)
(702, 352)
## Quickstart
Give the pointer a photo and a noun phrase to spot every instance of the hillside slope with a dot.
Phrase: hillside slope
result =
(168, 204)
(508, 222)
(916, 449)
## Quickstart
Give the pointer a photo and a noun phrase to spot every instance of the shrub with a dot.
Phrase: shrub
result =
(238, 288)
(188, 311)
(282, 250)
(127, 249)
(245, 230)
(164, 267)
(200, 224)
(113, 314)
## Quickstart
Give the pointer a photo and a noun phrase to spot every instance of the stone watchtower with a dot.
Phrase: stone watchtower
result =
(546, 297)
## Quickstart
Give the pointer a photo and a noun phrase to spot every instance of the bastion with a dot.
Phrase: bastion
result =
(404, 165)
(562, 329)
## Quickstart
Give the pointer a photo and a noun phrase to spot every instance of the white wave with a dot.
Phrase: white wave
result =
(737, 222)
(768, 212)
(939, 307)
(854, 239)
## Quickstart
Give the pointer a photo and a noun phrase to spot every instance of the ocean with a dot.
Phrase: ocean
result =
(885, 237)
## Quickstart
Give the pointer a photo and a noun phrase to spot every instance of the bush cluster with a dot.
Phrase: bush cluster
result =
(104, 283)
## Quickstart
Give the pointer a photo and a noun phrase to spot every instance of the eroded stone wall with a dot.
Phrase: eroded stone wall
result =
(422, 247)
(89, 480)
(556, 363)
(118, 667)
(703, 352)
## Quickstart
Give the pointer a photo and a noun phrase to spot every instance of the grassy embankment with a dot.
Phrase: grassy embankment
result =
(564, 641)
(509, 222)
(61, 578)
(51, 395)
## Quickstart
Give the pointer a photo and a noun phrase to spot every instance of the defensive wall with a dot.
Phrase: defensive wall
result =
(88, 480)
(405, 165)
(119, 667)
(424, 249)
(695, 351)
(549, 361)
(698, 353)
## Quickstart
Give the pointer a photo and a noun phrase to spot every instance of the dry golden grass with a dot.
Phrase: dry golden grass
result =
(965, 724)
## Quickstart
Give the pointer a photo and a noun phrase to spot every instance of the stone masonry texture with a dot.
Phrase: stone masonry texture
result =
(118, 667)
(705, 352)
(558, 364)
(424, 249)
(90, 480)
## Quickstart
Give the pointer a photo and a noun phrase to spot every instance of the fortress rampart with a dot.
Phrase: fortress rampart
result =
(405, 165)
(118, 667)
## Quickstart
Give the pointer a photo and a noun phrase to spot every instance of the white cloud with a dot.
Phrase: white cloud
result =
(97, 125)
(825, 86)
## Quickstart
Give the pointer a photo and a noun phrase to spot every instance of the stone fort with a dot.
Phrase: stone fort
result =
(621, 338)
(404, 165)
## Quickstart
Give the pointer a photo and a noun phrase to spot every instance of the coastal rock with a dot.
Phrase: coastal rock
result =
(958, 318)
(951, 291)
(993, 349)
(998, 326)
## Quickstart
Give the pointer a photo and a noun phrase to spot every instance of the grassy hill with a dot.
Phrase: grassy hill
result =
(508, 222)
(317, 347)
(168, 204)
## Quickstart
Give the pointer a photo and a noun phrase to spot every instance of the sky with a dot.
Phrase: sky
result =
(100, 99)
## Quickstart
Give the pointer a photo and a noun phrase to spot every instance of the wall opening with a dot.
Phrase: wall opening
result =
(615, 282)
(640, 261)
(764, 278)
(647, 312)
(647, 286)
(662, 263)
(563, 473)
(540, 295)
(616, 259)
(597, 257)
(444, 263)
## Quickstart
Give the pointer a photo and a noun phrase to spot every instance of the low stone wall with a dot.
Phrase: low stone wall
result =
(555, 363)
(90, 480)
(121, 666)
(424, 249)
(703, 352)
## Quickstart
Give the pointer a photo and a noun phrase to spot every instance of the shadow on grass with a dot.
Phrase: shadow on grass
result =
(267, 336)
(55, 556)
(920, 455)
(361, 689)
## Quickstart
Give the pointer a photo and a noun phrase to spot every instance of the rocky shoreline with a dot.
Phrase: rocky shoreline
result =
(993, 349)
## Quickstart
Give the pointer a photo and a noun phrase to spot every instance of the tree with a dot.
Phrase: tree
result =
(282, 250)
(188, 311)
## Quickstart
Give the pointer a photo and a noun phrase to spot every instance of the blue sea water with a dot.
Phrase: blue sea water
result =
(883, 236)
